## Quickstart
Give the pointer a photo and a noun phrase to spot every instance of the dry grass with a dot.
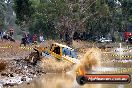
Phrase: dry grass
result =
(11, 49)
(82, 44)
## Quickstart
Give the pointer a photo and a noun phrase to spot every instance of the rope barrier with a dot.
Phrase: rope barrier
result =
(10, 46)
(119, 71)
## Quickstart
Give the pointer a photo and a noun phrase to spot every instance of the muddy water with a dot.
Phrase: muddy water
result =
(56, 81)
(65, 81)
(69, 81)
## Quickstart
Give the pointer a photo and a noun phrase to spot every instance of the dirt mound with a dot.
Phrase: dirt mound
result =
(18, 71)
(3, 65)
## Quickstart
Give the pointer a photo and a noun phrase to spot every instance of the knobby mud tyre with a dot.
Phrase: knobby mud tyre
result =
(34, 57)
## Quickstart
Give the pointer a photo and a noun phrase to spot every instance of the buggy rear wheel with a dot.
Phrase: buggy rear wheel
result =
(34, 57)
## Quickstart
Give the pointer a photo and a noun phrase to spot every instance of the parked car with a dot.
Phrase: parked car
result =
(103, 40)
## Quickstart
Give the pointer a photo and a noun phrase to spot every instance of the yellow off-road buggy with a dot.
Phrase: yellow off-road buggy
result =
(56, 50)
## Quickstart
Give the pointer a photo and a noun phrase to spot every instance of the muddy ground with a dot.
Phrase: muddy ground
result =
(14, 69)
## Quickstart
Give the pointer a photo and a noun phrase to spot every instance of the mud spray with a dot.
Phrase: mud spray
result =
(90, 60)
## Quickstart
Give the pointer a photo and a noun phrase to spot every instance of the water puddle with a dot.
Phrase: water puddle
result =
(65, 81)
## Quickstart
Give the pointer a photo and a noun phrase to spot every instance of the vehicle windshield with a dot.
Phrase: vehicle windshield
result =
(71, 53)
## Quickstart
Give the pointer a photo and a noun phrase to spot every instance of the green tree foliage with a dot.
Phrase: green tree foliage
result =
(2, 11)
(127, 10)
(47, 16)
(112, 16)
(23, 10)
(55, 17)
(99, 22)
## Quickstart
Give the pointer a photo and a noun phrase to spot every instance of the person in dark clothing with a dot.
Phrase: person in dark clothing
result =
(7, 37)
(113, 39)
(130, 40)
(24, 40)
(30, 39)
(66, 36)
(76, 36)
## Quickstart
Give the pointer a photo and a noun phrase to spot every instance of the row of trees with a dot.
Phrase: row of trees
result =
(2, 12)
(7, 16)
(54, 17)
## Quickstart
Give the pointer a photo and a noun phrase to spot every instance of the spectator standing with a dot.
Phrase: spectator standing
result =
(41, 38)
(7, 35)
(4, 33)
(11, 32)
(29, 38)
(35, 38)
(24, 39)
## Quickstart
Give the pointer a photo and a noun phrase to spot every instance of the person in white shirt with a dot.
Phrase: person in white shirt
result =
(41, 38)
